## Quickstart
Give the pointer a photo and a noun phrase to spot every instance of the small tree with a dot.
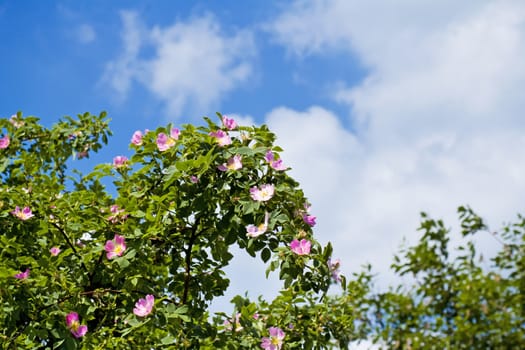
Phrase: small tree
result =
(84, 267)
(454, 303)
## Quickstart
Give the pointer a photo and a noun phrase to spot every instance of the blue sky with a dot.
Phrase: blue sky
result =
(56, 56)
(384, 109)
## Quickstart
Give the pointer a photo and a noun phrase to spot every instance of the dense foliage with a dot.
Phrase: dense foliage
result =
(456, 301)
(130, 255)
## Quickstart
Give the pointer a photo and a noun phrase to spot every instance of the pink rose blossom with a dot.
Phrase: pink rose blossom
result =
(255, 231)
(234, 163)
(334, 265)
(263, 193)
(4, 142)
(22, 214)
(165, 142)
(309, 219)
(55, 251)
(275, 341)
(221, 137)
(115, 247)
(194, 179)
(120, 161)
(136, 139)
(174, 133)
(229, 123)
(22, 275)
(117, 214)
(143, 307)
(269, 157)
(73, 323)
(276, 164)
(228, 324)
(301, 247)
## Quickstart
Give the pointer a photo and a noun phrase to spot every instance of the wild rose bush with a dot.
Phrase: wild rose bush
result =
(136, 266)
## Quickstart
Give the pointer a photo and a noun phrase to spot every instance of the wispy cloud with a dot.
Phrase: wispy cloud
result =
(77, 28)
(121, 72)
(193, 65)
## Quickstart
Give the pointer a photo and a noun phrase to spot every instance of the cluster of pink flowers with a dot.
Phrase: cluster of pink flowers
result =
(73, 323)
(234, 163)
(255, 231)
(276, 164)
(22, 275)
(263, 193)
(221, 137)
(4, 142)
(274, 341)
(115, 247)
(116, 214)
(144, 306)
(301, 247)
(22, 214)
(165, 142)
(120, 161)
(229, 123)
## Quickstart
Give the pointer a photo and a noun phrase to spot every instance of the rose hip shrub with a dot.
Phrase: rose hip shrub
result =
(131, 254)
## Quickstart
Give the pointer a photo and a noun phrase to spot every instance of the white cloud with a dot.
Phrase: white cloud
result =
(373, 28)
(439, 118)
(83, 33)
(193, 64)
(367, 200)
(428, 62)
(120, 73)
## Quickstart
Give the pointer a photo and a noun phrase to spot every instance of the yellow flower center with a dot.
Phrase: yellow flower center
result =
(170, 142)
(118, 249)
(75, 325)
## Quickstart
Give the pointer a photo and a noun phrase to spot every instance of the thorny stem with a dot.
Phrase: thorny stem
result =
(71, 245)
(92, 274)
(187, 251)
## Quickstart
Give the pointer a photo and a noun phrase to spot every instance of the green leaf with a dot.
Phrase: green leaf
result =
(266, 254)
